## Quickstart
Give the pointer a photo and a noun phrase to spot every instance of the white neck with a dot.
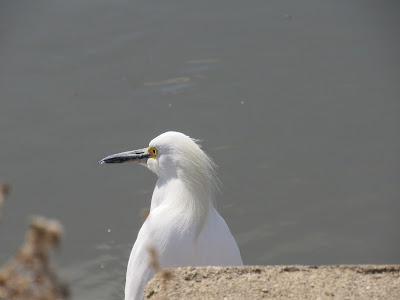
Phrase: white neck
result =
(193, 203)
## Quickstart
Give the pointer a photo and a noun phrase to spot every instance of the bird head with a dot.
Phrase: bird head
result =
(172, 155)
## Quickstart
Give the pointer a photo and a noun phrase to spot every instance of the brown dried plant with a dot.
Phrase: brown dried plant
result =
(164, 273)
(4, 191)
(155, 264)
(29, 275)
(145, 213)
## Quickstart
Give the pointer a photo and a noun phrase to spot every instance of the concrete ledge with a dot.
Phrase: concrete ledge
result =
(277, 282)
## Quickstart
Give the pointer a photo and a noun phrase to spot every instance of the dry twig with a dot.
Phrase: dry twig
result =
(28, 275)
(4, 191)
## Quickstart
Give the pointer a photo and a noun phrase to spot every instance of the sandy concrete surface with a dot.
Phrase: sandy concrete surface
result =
(277, 282)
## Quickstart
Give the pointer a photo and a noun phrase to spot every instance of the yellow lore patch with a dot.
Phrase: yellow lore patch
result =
(153, 151)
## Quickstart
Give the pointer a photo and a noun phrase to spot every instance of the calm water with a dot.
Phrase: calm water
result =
(298, 104)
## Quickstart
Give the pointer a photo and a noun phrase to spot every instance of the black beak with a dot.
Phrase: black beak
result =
(141, 156)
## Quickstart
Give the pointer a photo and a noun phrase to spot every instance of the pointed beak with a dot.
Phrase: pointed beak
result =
(140, 156)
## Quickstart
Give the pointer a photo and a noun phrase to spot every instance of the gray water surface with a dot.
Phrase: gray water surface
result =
(297, 102)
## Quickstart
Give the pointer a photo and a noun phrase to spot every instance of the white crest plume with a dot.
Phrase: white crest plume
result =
(197, 173)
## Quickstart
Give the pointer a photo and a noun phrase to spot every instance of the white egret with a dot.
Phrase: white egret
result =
(183, 226)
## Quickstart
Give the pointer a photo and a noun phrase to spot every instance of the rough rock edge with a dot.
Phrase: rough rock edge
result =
(278, 282)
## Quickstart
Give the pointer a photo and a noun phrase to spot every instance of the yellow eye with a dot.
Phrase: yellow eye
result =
(153, 151)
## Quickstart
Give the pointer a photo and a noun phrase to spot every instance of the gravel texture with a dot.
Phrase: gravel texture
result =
(277, 282)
